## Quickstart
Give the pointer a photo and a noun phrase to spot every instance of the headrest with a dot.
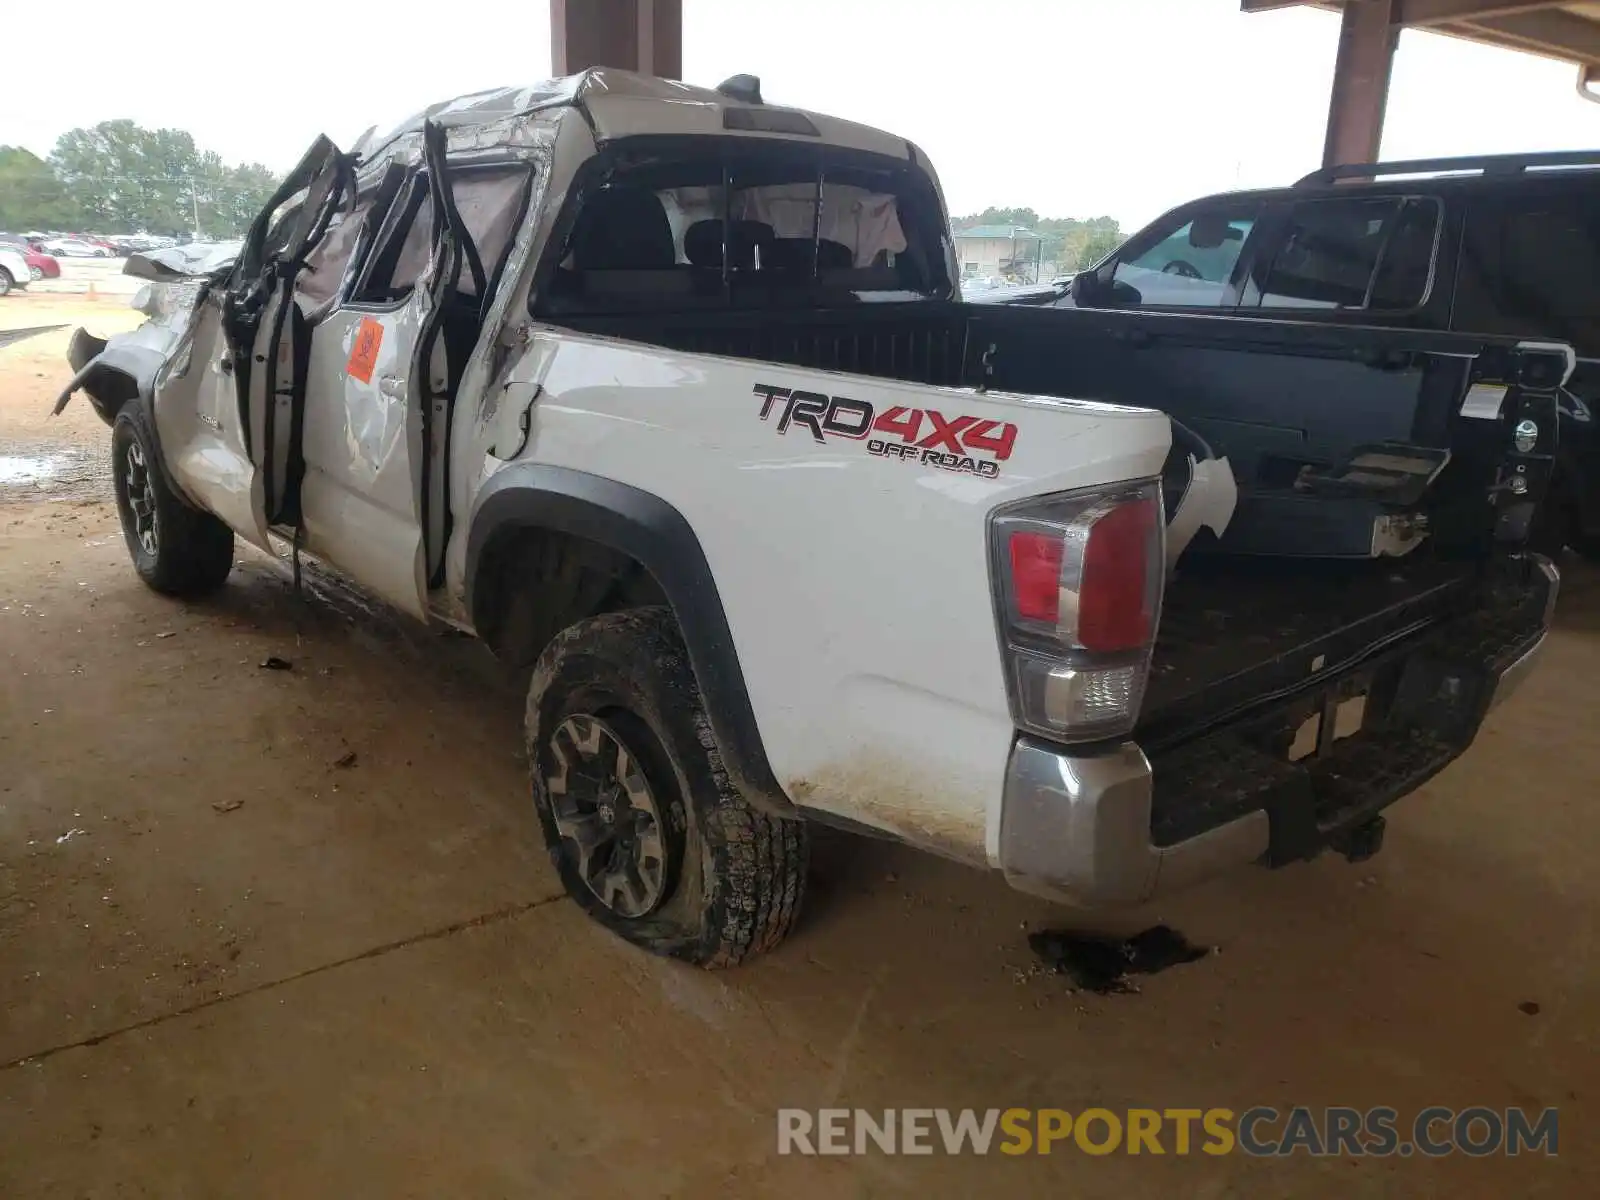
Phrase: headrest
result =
(794, 254)
(623, 229)
(702, 243)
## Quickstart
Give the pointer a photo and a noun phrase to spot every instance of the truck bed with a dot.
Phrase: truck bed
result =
(1241, 634)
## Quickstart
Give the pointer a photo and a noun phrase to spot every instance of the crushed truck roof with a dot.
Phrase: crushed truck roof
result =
(619, 104)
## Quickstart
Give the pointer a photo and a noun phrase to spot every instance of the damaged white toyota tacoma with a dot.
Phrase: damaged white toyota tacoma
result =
(668, 395)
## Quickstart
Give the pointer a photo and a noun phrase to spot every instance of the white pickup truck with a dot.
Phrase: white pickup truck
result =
(668, 394)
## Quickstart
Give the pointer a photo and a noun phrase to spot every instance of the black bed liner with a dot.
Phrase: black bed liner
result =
(1425, 657)
(1234, 631)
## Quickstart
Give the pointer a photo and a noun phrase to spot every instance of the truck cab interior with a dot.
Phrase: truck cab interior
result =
(724, 223)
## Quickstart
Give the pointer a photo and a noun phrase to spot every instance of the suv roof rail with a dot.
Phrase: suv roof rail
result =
(1487, 164)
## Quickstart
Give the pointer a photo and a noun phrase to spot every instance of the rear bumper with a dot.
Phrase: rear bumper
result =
(1077, 828)
(1513, 676)
(1114, 829)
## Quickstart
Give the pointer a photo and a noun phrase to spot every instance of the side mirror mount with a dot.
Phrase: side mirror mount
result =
(1098, 288)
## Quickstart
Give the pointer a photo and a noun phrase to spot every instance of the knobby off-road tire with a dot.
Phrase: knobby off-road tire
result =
(177, 549)
(647, 832)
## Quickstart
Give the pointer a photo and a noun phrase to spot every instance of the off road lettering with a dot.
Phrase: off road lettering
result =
(967, 444)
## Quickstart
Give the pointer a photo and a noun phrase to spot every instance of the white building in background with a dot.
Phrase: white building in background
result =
(999, 252)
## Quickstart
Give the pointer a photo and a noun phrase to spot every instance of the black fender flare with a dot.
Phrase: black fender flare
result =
(657, 536)
(95, 361)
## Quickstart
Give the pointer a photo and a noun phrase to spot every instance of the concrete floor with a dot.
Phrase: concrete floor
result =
(361, 980)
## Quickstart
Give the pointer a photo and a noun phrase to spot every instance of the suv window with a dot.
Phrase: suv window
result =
(1187, 264)
(1374, 253)
(1530, 267)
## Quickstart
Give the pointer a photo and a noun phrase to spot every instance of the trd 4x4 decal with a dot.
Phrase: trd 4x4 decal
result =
(973, 445)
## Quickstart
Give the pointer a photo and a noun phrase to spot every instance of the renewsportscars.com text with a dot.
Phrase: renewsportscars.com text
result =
(1259, 1132)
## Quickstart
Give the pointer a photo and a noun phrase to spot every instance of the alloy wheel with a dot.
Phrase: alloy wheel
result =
(141, 494)
(606, 808)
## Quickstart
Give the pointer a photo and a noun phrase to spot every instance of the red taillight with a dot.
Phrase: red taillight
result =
(1036, 575)
(1115, 602)
(1078, 590)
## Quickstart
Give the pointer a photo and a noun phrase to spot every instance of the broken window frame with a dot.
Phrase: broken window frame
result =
(413, 203)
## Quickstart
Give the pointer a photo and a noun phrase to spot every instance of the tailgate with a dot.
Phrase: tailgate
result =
(1322, 712)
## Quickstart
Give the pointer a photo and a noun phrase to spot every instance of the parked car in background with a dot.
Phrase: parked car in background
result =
(40, 265)
(1499, 244)
(74, 248)
(13, 268)
(981, 291)
(133, 244)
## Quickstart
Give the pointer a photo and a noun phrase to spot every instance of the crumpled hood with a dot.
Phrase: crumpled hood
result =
(178, 262)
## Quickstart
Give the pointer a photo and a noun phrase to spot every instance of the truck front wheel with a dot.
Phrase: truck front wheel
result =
(177, 549)
(647, 832)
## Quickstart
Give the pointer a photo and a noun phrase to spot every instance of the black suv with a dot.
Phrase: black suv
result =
(1506, 244)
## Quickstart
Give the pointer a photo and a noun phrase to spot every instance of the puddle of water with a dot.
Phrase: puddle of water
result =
(52, 473)
(31, 468)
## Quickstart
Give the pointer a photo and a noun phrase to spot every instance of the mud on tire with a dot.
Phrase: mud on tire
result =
(731, 878)
(177, 549)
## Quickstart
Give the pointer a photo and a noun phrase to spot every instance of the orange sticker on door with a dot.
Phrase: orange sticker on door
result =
(364, 354)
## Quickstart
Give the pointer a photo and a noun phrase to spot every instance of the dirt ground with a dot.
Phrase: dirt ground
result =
(291, 933)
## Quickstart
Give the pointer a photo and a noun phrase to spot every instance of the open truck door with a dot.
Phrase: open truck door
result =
(384, 366)
(269, 332)
(229, 401)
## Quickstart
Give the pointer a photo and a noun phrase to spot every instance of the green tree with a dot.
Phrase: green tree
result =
(1025, 217)
(1097, 245)
(125, 179)
(240, 193)
(104, 169)
(31, 197)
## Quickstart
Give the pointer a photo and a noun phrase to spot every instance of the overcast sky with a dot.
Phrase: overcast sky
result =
(1071, 107)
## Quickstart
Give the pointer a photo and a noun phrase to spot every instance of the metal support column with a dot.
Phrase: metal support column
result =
(1367, 40)
(636, 35)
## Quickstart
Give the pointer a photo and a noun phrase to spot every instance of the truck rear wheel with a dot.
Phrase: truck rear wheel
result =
(177, 549)
(647, 832)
